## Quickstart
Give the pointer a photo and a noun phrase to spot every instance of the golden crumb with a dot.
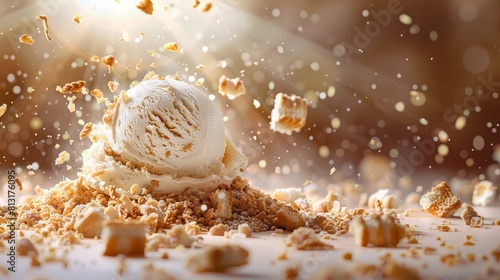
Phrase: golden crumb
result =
(305, 239)
(77, 18)
(231, 88)
(172, 46)
(113, 85)
(196, 3)
(200, 66)
(497, 222)
(378, 230)
(347, 256)
(45, 22)
(89, 222)
(440, 201)
(34, 262)
(218, 229)
(245, 229)
(289, 113)
(71, 105)
(87, 129)
(63, 157)
(283, 256)
(73, 87)
(152, 53)
(109, 61)
(95, 58)
(25, 247)
(206, 7)
(468, 214)
(146, 6)
(192, 228)
(468, 243)
(164, 255)
(217, 258)
(124, 238)
(476, 222)
(3, 109)
(26, 39)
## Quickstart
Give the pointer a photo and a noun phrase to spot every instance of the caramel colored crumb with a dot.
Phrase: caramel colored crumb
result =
(496, 222)
(3, 109)
(77, 18)
(347, 256)
(25, 247)
(231, 88)
(73, 87)
(109, 61)
(172, 46)
(26, 39)
(218, 229)
(206, 7)
(146, 6)
(217, 258)
(87, 128)
(305, 239)
(63, 157)
(44, 19)
(113, 85)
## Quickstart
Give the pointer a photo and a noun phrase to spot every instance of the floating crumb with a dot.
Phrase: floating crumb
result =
(109, 61)
(200, 66)
(26, 39)
(196, 3)
(34, 261)
(206, 7)
(45, 21)
(3, 109)
(497, 222)
(231, 88)
(172, 46)
(71, 105)
(289, 113)
(63, 157)
(113, 85)
(19, 184)
(484, 193)
(97, 93)
(146, 6)
(217, 258)
(73, 87)
(77, 18)
(95, 58)
(152, 53)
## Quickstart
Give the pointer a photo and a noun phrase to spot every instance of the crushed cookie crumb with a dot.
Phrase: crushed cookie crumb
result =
(146, 6)
(26, 39)
(44, 19)
(73, 87)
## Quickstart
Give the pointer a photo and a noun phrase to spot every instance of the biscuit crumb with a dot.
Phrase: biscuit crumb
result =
(468, 214)
(146, 6)
(89, 223)
(192, 228)
(34, 262)
(206, 7)
(109, 61)
(305, 239)
(25, 247)
(73, 87)
(63, 157)
(245, 229)
(289, 218)
(347, 256)
(217, 258)
(86, 130)
(283, 256)
(77, 18)
(218, 229)
(440, 201)
(44, 19)
(497, 222)
(231, 88)
(172, 46)
(379, 230)
(289, 113)
(113, 85)
(3, 109)
(26, 39)
(124, 238)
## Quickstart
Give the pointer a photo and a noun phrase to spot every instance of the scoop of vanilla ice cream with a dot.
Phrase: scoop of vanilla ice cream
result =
(168, 125)
(165, 135)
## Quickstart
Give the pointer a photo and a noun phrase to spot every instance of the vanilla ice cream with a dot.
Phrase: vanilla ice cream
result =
(165, 135)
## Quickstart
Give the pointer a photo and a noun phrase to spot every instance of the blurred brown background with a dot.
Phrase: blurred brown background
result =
(356, 62)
